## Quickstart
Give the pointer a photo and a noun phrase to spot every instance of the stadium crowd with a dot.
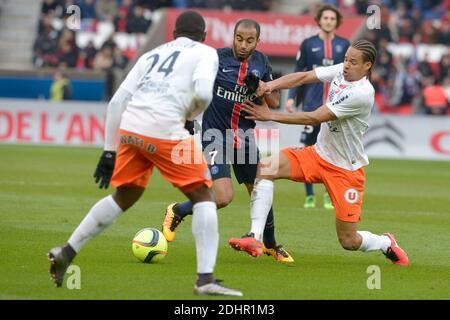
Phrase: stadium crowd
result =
(405, 84)
(408, 84)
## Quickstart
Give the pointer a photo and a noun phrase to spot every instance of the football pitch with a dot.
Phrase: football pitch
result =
(46, 191)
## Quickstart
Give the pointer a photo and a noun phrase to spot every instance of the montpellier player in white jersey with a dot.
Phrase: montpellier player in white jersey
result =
(167, 86)
(336, 160)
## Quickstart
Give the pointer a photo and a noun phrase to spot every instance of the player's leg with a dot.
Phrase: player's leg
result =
(215, 155)
(346, 189)
(245, 173)
(103, 214)
(130, 181)
(223, 192)
(271, 247)
(308, 138)
(352, 239)
(245, 166)
(296, 164)
(269, 169)
(194, 180)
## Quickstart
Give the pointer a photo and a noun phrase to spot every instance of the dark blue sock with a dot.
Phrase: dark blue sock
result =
(183, 209)
(269, 231)
(309, 189)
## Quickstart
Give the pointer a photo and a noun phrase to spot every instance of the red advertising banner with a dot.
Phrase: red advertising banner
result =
(79, 123)
(43, 122)
(281, 35)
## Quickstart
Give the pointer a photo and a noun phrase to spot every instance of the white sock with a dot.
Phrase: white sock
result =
(371, 242)
(260, 202)
(101, 215)
(205, 230)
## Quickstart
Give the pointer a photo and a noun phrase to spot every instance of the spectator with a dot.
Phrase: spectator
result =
(121, 20)
(61, 88)
(89, 53)
(66, 56)
(87, 9)
(446, 85)
(428, 33)
(181, 4)
(127, 6)
(405, 31)
(104, 61)
(44, 47)
(154, 4)
(52, 5)
(120, 60)
(137, 23)
(425, 68)
(200, 4)
(109, 42)
(435, 100)
(444, 66)
(361, 6)
(106, 9)
(67, 52)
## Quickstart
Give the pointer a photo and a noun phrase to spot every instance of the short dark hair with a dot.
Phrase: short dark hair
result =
(329, 7)
(190, 24)
(249, 23)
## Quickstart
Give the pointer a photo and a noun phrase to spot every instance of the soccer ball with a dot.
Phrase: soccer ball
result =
(149, 245)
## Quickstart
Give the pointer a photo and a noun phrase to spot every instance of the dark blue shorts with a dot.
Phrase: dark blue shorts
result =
(220, 158)
(309, 135)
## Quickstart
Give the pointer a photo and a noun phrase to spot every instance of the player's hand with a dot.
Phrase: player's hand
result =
(263, 88)
(192, 126)
(290, 106)
(257, 112)
(252, 82)
(105, 168)
(189, 126)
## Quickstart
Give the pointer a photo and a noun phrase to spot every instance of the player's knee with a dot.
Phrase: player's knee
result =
(126, 197)
(265, 170)
(202, 193)
(349, 242)
(224, 199)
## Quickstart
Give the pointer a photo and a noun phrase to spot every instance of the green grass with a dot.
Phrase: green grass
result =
(46, 191)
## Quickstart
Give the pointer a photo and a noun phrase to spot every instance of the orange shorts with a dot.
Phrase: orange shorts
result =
(345, 187)
(180, 162)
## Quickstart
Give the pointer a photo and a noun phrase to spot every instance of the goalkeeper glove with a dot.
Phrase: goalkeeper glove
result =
(252, 82)
(189, 126)
(192, 126)
(105, 168)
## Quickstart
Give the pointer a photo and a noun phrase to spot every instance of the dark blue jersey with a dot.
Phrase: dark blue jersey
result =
(224, 112)
(315, 52)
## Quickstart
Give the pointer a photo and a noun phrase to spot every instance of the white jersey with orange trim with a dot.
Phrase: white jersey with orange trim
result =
(161, 84)
(340, 141)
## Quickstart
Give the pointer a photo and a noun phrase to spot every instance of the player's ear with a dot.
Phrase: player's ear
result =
(174, 34)
(203, 37)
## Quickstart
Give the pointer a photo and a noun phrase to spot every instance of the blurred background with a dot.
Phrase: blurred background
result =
(61, 60)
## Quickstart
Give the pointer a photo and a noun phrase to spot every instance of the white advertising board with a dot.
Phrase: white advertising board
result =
(76, 123)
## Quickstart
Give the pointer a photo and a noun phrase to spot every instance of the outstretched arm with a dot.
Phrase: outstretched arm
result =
(288, 81)
(263, 113)
(273, 99)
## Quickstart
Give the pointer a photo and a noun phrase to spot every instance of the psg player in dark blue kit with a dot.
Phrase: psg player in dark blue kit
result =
(323, 49)
(227, 136)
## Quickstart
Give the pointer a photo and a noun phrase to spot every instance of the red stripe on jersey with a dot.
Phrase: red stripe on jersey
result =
(328, 55)
(237, 106)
